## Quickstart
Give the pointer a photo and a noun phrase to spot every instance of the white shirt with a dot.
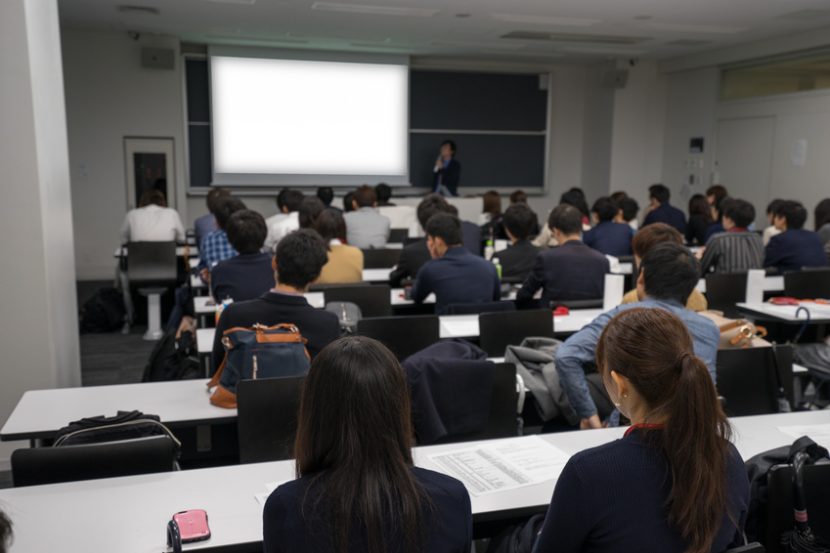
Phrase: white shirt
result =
(769, 232)
(152, 223)
(281, 227)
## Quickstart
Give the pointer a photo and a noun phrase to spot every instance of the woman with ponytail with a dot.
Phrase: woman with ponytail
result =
(674, 483)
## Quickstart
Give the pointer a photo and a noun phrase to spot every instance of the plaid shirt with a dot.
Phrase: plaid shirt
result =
(215, 248)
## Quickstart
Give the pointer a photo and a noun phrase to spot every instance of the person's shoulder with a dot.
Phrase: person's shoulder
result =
(592, 462)
(437, 484)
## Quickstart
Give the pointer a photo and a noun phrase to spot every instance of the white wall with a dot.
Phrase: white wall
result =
(39, 338)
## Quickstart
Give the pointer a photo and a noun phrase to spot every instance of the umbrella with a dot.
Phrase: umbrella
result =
(801, 539)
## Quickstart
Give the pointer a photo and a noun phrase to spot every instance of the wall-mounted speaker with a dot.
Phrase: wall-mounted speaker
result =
(615, 78)
(158, 58)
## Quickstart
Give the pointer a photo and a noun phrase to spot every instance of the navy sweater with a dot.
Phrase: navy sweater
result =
(612, 498)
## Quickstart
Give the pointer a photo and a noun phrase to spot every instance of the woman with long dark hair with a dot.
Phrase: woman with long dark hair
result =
(674, 483)
(700, 217)
(357, 489)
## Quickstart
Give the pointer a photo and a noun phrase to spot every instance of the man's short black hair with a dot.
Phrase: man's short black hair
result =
(575, 197)
(300, 257)
(659, 192)
(793, 212)
(365, 196)
(214, 196)
(347, 202)
(773, 205)
(246, 231)
(227, 207)
(451, 144)
(446, 227)
(741, 212)
(605, 208)
(326, 195)
(383, 192)
(566, 218)
(310, 209)
(670, 272)
(629, 207)
(520, 220)
(429, 206)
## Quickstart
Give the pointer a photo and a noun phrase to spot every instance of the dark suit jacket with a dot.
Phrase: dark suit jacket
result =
(449, 177)
(667, 214)
(793, 249)
(610, 238)
(517, 260)
(696, 230)
(242, 278)
(471, 236)
(448, 523)
(318, 326)
(413, 256)
(572, 271)
(458, 277)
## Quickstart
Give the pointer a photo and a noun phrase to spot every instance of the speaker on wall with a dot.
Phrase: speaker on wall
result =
(615, 78)
(157, 58)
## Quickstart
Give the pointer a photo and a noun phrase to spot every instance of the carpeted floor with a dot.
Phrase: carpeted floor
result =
(114, 358)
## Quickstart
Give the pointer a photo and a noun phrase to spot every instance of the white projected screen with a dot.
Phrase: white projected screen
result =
(308, 122)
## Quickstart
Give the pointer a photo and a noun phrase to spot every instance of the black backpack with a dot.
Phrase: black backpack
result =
(519, 538)
(125, 425)
(173, 360)
(103, 312)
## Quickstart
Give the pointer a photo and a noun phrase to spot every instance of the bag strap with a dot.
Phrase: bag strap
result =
(806, 445)
(136, 422)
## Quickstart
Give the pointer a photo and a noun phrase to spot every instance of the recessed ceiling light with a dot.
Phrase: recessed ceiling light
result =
(463, 15)
(691, 28)
(373, 10)
(546, 20)
(146, 10)
(642, 17)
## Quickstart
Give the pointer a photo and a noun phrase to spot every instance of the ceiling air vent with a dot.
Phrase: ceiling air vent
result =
(576, 38)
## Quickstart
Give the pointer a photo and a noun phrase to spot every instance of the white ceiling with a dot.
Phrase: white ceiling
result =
(656, 29)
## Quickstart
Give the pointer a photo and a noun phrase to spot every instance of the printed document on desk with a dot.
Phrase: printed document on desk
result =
(503, 464)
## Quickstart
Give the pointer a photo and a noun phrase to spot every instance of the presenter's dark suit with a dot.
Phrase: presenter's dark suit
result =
(667, 214)
(793, 249)
(572, 271)
(448, 176)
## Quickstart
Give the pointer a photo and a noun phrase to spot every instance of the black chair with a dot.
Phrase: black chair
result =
(381, 258)
(724, 290)
(476, 308)
(753, 547)
(578, 304)
(398, 235)
(403, 335)
(779, 515)
(374, 300)
(807, 284)
(267, 418)
(499, 330)
(152, 266)
(51, 465)
(748, 379)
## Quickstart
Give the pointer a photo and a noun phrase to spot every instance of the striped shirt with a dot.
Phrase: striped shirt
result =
(733, 252)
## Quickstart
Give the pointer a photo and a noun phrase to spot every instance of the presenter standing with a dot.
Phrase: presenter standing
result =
(446, 171)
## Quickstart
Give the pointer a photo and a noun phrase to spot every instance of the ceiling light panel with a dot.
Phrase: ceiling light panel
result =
(364, 9)
(691, 28)
(551, 21)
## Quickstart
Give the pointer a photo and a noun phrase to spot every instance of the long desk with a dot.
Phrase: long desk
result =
(204, 305)
(369, 275)
(192, 251)
(129, 514)
(819, 313)
(773, 283)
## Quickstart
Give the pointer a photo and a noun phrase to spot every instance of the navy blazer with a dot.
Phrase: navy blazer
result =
(793, 249)
(458, 277)
(448, 523)
(242, 278)
(572, 271)
(667, 214)
(449, 176)
(610, 238)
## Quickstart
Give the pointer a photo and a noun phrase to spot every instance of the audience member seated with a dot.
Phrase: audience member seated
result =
(310, 208)
(215, 247)
(737, 249)
(570, 271)
(771, 231)
(700, 217)
(470, 233)
(822, 220)
(674, 482)
(288, 218)
(206, 224)
(152, 221)
(348, 202)
(715, 193)
(629, 208)
(660, 211)
(717, 217)
(299, 258)
(667, 276)
(795, 247)
(491, 219)
(607, 236)
(414, 255)
(357, 489)
(250, 274)
(365, 227)
(345, 263)
(576, 197)
(454, 275)
(518, 259)
(384, 193)
(326, 195)
(649, 238)
(520, 197)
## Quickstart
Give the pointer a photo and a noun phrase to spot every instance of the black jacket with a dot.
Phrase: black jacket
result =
(412, 258)
(517, 260)
(242, 278)
(572, 271)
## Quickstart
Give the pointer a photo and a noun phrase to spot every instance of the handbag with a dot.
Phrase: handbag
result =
(736, 333)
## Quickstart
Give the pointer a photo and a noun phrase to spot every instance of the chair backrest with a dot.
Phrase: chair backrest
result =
(403, 335)
(374, 300)
(151, 261)
(381, 258)
(578, 304)
(753, 547)
(779, 515)
(808, 284)
(267, 418)
(747, 379)
(50, 465)
(499, 330)
(476, 308)
(724, 290)
(398, 235)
